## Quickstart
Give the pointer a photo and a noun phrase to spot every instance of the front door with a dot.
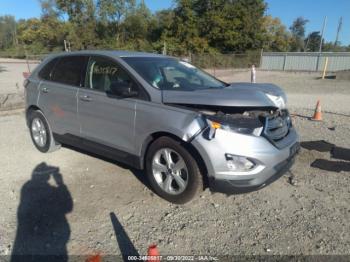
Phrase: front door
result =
(107, 105)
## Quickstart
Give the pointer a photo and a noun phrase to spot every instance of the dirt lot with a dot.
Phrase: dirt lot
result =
(11, 82)
(11, 74)
(112, 211)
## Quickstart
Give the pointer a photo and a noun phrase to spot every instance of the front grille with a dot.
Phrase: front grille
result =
(276, 127)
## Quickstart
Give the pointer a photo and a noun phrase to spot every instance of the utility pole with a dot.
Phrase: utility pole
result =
(338, 31)
(323, 28)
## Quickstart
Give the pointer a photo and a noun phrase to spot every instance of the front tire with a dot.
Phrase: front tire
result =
(172, 172)
(40, 132)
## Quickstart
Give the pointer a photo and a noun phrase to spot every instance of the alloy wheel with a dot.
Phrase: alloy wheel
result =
(170, 171)
(39, 132)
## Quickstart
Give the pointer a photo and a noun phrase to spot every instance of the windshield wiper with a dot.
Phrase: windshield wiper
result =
(215, 87)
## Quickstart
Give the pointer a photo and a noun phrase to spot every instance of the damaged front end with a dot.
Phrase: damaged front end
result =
(270, 122)
(242, 147)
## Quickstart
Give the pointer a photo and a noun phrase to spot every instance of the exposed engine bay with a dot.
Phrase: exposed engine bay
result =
(271, 122)
(241, 117)
(238, 116)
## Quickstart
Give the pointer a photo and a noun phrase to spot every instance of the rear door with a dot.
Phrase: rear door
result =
(58, 94)
(107, 105)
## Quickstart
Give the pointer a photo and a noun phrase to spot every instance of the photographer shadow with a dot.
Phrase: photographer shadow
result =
(43, 230)
(125, 244)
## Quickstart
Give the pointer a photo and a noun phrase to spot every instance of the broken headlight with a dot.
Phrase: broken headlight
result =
(242, 126)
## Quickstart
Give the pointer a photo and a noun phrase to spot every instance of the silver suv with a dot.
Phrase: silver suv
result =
(187, 129)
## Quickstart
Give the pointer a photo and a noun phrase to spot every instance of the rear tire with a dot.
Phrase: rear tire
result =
(40, 132)
(172, 172)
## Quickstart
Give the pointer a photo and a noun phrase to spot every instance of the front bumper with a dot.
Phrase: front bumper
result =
(240, 186)
(271, 162)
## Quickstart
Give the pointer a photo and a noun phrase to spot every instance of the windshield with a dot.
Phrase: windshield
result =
(171, 74)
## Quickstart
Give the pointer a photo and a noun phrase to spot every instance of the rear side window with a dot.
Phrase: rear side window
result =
(69, 70)
(45, 72)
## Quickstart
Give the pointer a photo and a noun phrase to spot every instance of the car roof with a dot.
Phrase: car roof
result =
(112, 53)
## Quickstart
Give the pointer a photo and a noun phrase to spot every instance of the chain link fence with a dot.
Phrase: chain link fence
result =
(215, 64)
(223, 64)
(226, 61)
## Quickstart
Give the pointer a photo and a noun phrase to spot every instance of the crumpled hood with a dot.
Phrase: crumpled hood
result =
(237, 95)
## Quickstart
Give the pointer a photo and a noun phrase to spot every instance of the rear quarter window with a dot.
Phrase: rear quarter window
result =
(45, 72)
(69, 70)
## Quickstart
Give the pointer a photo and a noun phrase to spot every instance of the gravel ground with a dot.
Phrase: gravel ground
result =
(11, 75)
(112, 211)
(305, 212)
(11, 82)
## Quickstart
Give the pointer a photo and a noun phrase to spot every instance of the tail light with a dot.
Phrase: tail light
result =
(26, 83)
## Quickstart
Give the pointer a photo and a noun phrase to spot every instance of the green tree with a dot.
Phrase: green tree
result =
(312, 41)
(8, 32)
(81, 23)
(231, 25)
(49, 9)
(136, 23)
(184, 32)
(112, 13)
(161, 24)
(276, 38)
(73, 8)
(42, 35)
(192, 26)
(330, 47)
(298, 32)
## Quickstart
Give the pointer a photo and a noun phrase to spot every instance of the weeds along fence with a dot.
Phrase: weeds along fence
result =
(225, 61)
(218, 64)
(219, 61)
(13, 54)
(210, 62)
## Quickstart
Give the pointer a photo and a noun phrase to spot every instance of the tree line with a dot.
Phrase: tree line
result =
(190, 26)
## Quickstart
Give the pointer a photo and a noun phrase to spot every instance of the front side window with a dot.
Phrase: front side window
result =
(69, 69)
(105, 75)
(171, 74)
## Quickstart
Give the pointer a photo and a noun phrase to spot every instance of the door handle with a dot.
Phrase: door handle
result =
(85, 98)
(45, 90)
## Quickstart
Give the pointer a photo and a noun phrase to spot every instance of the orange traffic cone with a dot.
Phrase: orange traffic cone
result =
(153, 253)
(318, 114)
(94, 258)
